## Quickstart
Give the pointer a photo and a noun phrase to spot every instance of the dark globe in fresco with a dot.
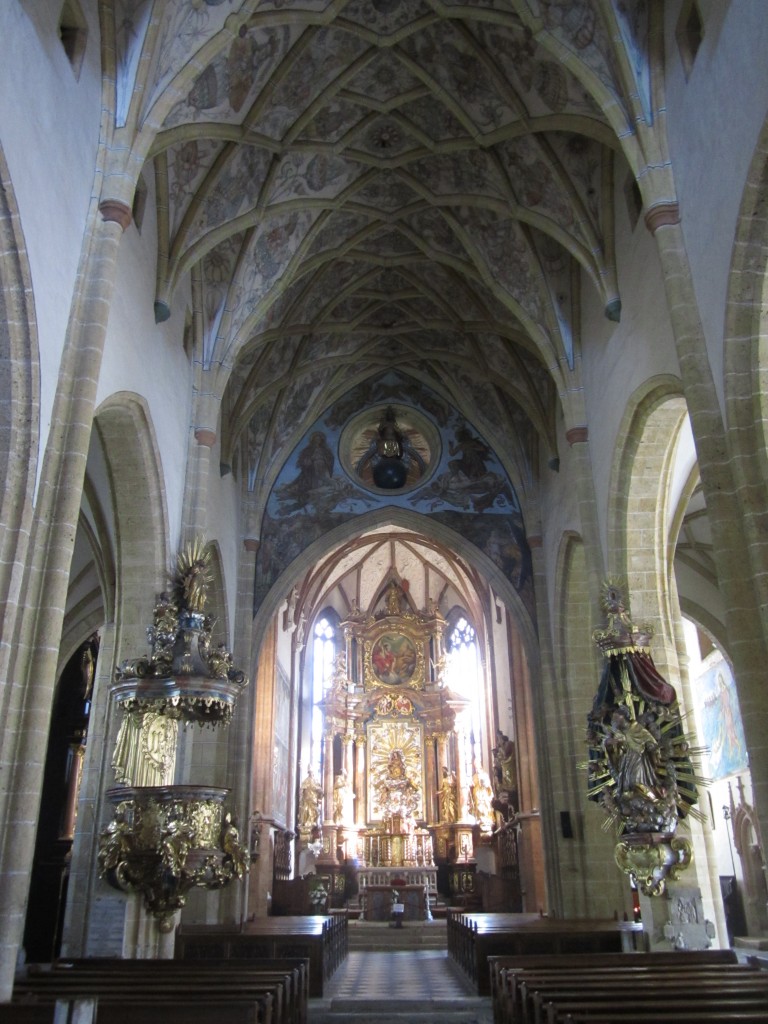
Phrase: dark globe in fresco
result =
(390, 474)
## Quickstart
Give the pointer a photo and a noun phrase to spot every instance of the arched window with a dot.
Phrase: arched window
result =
(463, 675)
(323, 658)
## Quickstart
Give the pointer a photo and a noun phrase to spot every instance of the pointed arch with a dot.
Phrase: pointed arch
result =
(745, 363)
(640, 514)
(19, 399)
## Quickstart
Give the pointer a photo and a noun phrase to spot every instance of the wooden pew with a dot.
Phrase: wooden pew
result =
(137, 994)
(549, 1005)
(292, 973)
(321, 940)
(535, 988)
(473, 938)
(149, 1009)
(651, 983)
(26, 1013)
(691, 1016)
(506, 971)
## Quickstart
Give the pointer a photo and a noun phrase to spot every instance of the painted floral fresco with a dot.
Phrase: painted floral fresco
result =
(719, 721)
(468, 491)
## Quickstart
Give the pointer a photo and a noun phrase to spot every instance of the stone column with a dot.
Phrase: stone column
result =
(349, 768)
(747, 642)
(578, 439)
(361, 803)
(545, 741)
(461, 793)
(33, 664)
(328, 779)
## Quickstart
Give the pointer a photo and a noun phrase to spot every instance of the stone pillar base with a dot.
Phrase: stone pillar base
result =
(676, 920)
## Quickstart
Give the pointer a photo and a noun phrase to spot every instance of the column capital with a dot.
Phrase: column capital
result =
(251, 544)
(576, 435)
(117, 211)
(205, 437)
(535, 541)
(662, 215)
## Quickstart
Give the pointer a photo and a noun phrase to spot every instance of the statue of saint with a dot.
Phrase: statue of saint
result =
(480, 797)
(448, 796)
(392, 599)
(340, 794)
(309, 802)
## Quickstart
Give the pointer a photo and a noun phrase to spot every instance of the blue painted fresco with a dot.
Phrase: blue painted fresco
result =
(720, 722)
(468, 490)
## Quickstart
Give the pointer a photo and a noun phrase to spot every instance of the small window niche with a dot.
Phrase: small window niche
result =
(689, 34)
(634, 200)
(73, 32)
(139, 203)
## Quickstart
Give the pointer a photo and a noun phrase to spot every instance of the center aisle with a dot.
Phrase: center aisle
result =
(419, 986)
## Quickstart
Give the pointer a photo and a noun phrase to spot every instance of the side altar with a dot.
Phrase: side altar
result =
(397, 798)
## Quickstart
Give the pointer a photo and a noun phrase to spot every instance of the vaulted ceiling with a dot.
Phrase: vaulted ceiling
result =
(357, 185)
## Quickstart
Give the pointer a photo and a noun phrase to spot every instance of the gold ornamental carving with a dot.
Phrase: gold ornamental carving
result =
(186, 676)
(396, 777)
(165, 840)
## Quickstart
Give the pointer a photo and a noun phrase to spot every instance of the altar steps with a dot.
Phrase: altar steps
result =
(382, 936)
(382, 1011)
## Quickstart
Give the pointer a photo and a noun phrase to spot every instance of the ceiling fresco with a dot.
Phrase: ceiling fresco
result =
(361, 186)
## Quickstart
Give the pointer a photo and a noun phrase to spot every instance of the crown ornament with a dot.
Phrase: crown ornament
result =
(619, 635)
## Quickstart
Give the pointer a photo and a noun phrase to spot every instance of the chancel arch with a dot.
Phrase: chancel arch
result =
(379, 595)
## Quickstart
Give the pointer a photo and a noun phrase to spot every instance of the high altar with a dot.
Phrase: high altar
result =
(396, 789)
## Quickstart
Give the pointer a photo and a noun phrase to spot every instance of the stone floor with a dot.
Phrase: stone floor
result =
(410, 987)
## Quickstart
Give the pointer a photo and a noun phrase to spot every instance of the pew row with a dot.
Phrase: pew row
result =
(642, 986)
(323, 941)
(474, 937)
(166, 991)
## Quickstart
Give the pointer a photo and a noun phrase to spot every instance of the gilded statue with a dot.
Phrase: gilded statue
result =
(340, 795)
(396, 793)
(309, 802)
(448, 809)
(480, 800)
(192, 576)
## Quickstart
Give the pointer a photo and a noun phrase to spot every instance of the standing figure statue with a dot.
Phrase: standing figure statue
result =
(340, 793)
(448, 796)
(309, 802)
(480, 800)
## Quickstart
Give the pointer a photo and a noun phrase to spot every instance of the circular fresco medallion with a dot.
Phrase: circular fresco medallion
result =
(383, 463)
(393, 659)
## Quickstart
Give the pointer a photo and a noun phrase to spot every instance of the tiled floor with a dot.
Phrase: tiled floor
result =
(413, 987)
(411, 975)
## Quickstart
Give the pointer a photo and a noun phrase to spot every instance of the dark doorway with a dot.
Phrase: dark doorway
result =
(58, 805)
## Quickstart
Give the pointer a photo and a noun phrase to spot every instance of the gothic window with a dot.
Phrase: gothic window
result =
(323, 657)
(464, 676)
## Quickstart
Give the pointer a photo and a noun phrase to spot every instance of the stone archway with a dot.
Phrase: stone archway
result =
(125, 514)
(19, 411)
(751, 851)
(518, 643)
